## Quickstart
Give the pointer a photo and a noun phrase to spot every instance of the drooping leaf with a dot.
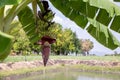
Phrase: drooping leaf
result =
(116, 42)
(117, 0)
(103, 34)
(116, 24)
(103, 17)
(71, 9)
(101, 13)
(5, 45)
(9, 2)
(108, 5)
(28, 22)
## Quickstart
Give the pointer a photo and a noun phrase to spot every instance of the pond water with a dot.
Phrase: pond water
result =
(64, 74)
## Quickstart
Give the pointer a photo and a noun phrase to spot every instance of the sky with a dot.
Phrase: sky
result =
(82, 34)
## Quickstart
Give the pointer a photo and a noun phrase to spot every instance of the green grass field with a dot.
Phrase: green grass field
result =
(80, 67)
(32, 58)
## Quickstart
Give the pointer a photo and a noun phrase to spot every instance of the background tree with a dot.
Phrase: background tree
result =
(86, 45)
(68, 46)
(22, 45)
(76, 42)
(64, 43)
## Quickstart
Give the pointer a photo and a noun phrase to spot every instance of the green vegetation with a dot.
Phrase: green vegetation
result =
(90, 16)
(82, 67)
(86, 45)
(22, 58)
(27, 70)
(100, 69)
(99, 58)
(32, 58)
(63, 44)
(99, 27)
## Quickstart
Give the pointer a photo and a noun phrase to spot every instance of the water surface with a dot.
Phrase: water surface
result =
(64, 74)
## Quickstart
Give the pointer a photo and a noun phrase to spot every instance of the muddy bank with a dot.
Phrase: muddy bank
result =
(33, 64)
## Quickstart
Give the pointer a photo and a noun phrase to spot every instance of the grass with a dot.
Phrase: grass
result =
(83, 67)
(79, 67)
(100, 69)
(27, 70)
(21, 58)
(100, 58)
(32, 58)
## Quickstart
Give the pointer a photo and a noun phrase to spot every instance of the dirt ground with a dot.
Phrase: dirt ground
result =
(34, 64)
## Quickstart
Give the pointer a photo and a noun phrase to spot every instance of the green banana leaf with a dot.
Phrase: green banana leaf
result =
(5, 45)
(103, 34)
(9, 2)
(117, 0)
(99, 13)
(7, 25)
(28, 23)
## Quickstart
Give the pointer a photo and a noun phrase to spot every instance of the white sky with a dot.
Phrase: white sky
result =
(82, 34)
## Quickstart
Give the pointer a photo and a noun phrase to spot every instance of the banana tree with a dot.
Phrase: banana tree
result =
(98, 17)
(36, 24)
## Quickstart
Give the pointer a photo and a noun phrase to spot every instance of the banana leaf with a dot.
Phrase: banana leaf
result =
(5, 45)
(9, 2)
(99, 13)
(27, 20)
(117, 0)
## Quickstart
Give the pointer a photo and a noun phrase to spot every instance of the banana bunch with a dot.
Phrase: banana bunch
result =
(45, 26)
(49, 16)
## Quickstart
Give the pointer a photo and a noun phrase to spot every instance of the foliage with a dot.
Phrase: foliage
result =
(37, 23)
(98, 17)
(19, 38)
(86, 45)
(9, 2)
(21, 42)
(64, 44)
(5, 45)
(65, 41)
(6, 18)
(77, 44)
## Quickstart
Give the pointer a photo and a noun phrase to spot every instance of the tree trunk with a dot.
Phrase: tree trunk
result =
(84, 54)
(87, 53)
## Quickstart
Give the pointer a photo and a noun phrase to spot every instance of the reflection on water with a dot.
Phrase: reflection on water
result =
(65, 74)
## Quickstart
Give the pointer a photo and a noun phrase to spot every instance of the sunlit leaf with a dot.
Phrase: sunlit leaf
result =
(108, 5)
(28, 22)
(99, 13)
(117, 0)
(5, 45)
(116, 24)
(9, 2)
(103, 34)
